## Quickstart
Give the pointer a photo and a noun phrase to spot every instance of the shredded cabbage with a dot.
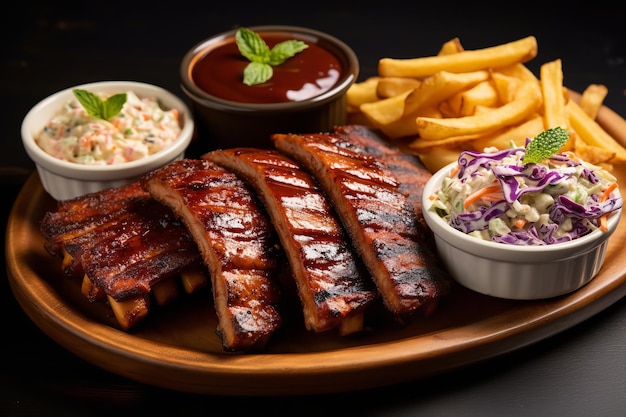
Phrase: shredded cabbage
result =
(554, 200)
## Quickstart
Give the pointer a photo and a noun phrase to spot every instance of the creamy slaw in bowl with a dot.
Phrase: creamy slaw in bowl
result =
(523, 269)
(141, 128)
(64, 179)
(496, 196)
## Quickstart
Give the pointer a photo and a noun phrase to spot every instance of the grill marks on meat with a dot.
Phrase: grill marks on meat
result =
(143, 248)
(410, 173)
(121, 239)
(406, 168)
(74, 225)
(358, 175)
(126, 246)
(237, 243)
(336, 200)
(333, 286)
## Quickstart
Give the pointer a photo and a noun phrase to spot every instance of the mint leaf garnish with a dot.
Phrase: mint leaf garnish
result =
(545, 144)
(257, 73)
(98, 108)
(261, 57)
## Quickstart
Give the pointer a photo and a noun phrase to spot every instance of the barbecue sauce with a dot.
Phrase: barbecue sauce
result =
(309, 73)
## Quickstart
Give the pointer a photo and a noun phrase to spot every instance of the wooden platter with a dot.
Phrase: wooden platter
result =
(176, 347)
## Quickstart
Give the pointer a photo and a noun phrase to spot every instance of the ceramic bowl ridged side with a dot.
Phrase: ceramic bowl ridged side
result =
(226, 123)
(520, 280)
(63, 179)
(511, 271)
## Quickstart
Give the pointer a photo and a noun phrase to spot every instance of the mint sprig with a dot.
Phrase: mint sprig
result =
(98, 108)
(261, 57)
(545, 144)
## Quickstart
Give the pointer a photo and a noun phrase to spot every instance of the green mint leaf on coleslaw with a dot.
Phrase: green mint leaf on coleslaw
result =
(261, 57)
(98, 108)
(545, 144)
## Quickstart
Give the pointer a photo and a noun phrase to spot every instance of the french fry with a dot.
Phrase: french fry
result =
(519, 71)
(440, 87)
(440, 157)
(393, 86)
(552, 89)
(386, 111)
(592, 154)
(396, 115)
(421, 146)
(512, 135)
(551, 81)
(518, 51)
(406, 126)
(437, 106)
(452, 46)
(446, 109)
(505, 85)
(592, 98)
(363, 92)
(525, 103)
(479, 109)
(466, 103)
(612, 122)
(593, 134)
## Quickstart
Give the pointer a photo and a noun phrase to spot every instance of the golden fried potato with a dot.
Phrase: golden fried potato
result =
(437, 106)
(439, 87)
(421, 145)
(554, 99)
(593, 134)
(406, 126)
(470, 101)
(551, 81)
(363, 92)
(592, 98)
(505, 85)
(593, 154)
(526, 102)
(440, 157)
(453, 46)
(519, 71)
(385, 111)
(511, 136)
(393, 86)
(502, 55)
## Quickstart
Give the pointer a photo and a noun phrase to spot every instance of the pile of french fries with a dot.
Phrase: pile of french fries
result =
(438, 106)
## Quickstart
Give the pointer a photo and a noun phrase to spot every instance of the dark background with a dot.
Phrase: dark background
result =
(47, 47)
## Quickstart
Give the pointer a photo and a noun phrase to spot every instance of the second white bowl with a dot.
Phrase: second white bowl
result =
(513, 271)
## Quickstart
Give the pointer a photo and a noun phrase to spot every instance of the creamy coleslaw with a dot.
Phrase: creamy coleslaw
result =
(494, 196)
(142, 128)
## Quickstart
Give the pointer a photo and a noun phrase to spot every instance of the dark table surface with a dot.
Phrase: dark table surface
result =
(48, 47)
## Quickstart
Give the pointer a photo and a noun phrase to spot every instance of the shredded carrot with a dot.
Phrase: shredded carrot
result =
(520, 223)
(483, 193)
(455, 170)
(605, 195)
(602, 221)
(608, 191)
